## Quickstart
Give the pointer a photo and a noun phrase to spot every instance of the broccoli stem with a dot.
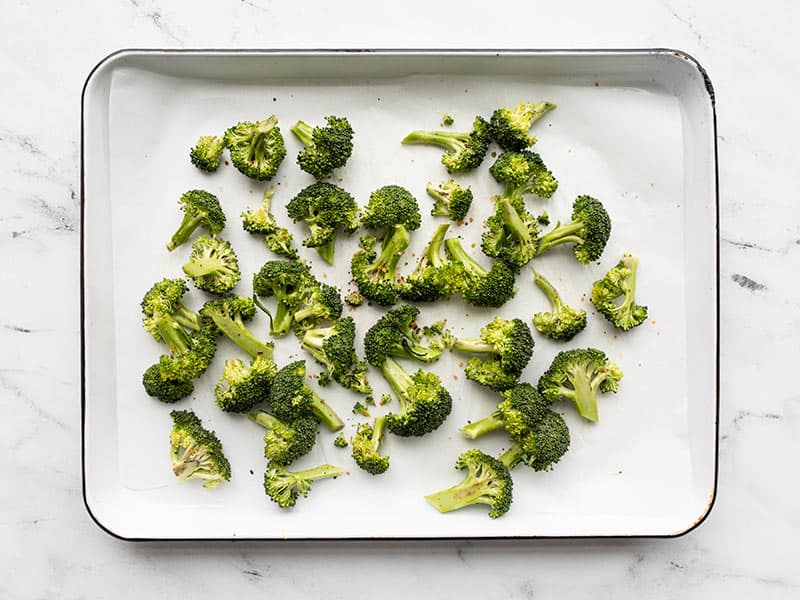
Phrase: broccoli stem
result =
(512, 457)
(440, 201)
(391, 253)
(434, 249)
(321, 472)
(241, 336)
(191, 221)
(326, 251)
(325, 413)
(264, 419)
(549, 291)
(583, 394)
(443, 139)
(513, 222)
(187, 318)
(472, 346)
(483, 426)
(304, 133)
(378, 430)
(173, 335)
(282, 321)
(203, 266)
(398, 379)
(470, 491)
(628, 284)
(561, 234)
(458, 254)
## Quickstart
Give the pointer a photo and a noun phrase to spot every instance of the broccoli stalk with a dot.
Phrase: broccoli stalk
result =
(589, 230)
(288, 282)
(228, 314)
(563, 322)
(285, 487)
(424, 402)
(196, 453)
(200, 209)
(481, 288)
(463, 151)
(488, 424)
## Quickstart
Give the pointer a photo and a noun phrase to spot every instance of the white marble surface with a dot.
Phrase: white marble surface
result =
(49, 548)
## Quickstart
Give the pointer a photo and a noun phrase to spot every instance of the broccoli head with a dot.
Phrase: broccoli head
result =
(510, 232)
(563, 322)
(200, 209)
(480, 287)
(326, 148)
(463, 151)
(523, 173)
(324, 207)
(376, 275)
(196, 452)
(487, 482)
(576, 375)
(542, 446)
(589, 230)
(334, 347)
(397, 334)
(213, 265)
(287, 281)
(163, 309)
(243, 386)
(261, 220)
(354, 299)
(424, 401)
(340, 441)
(366, 447)
(614, 295)
(434, 277)
(285, 442)
(389, 206)
(163, 389)
(257, 149)
(319, 302)
(228, 315)
(291, 398)
(522, 407)
(285, 487)
(510, 127)
(450, 200)
(206, 153)
(190, 357)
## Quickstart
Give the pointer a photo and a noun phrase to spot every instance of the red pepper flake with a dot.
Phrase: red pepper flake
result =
(596, 84)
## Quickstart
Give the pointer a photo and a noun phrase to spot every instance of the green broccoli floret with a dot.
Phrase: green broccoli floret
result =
(213, 265)
(196, 452)
(576, 375)
(285, 487)
(523, 173)
(360, 409)
(487, 482)
(327, 148)
(285, 442)
(261, 220)
(543, 218)
(396, 334)
(434, 277)
(334, 347)
(340, 441)
(287, 281)
(519, 412)
(369, 401)
(354, 299)
(366, 447)
(463, 151)
(510, 232)
(542, 447)
(447, 120)
(319, 302)
(510, 127)
(389, 206)
(614, 295)
(376, 275)
(385, 399)
(564, 322)
(589, 230)
(480, 287)
(228, 316)
(324, 207)
(241, 386)
(200, 209)
(165, 390)
(291, 398)
(170, 379)
(206, 153)
(450, 200)
(163, 309)
(504, 347)
(424, 401)
(257, 149)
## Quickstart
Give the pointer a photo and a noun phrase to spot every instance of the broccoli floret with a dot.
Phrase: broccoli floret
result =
(576, 375)
(170, 379)
(165, 390)
(319, 302)
(360, 409)
(257, 149)
(340, 441)
(163, 309)
(327, 148)
(589, 230)
(366, 447)
(334, 347)
(213, 265)
(242, 387)
(542, 447)
(288, 282)
(200, 209)
(543, 218)
(397, 334)
(389, 206)
(510, 127)
(434, 277)
(519, 412)
(480, 287)
(261, 220)
(324, 207)
(205, 154)
(447, 120)
(614, 295)
(450, 200)
(291, 398)
(196, 452)
(369, 401)
(504, 348)
(564, 322)
(285, 487)
(285, 442)
(228, 316)
(424, 401)
(523, 173)
(354, 299)
(385, 399)
(487, 482)
(376, 275)
(510, 232)
(463, 151)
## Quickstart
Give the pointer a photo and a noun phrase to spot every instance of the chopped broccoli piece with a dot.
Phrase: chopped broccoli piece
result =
(324, 207)
(340, 441)
(285, 442)
(360, 409)
(542, 447)
(480, 287)
(354, 298)
(241, 386)
(576, 375)
(228, 316)
(511, 232)
(170, 379)
(257, 149)
(213, 265)
(163, 308)
(519, 412)
(206, 153)
(510, 127)
(397, 334)
(319, 301)
(288, 282)
(261, 220)
(326, 148)
(487, 482)
(447, 120)
(285, 487)
(614, 295)
(200, 209)
(434, 277)
(165, 390)
(463, 151)
(369, 401)
(424, 401)
(376, 275)
(450, 200)
(589, 230)
(523, 173)
(543, 218)
(334, 347)
(504, 347)
(564, 322)
(389, 206)
(196, 452)
(291, 398)
(385, 399)
(367, 444)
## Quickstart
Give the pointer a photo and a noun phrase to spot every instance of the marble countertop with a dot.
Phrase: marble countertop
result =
(749, 544)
